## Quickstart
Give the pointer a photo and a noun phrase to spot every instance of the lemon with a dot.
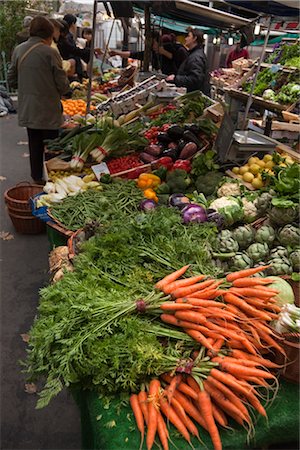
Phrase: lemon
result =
(267, 158)
(257, 183)
(244, 169)
(248, 176)
(254, 168)
(252, 160)
(289, 160)
(236, 170)
(269, 165)
(261, 163)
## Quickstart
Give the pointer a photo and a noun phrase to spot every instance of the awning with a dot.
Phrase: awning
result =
(192, 13)
(282, 9)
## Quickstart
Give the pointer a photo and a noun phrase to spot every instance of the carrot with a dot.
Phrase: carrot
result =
(143, 401)
(242, 362)
(169, 318)
(190, 408)
(135, 406)
(193, 384)
(259, 359)
(248, 282)
(182, 387)
(207, 412)
(201, 302)
(182, 283)
(171, 415)
(267, 338)
(172, 306)
(251, 292)
(171, 277)
(219, 415)
(199, 337)
(174, 384)
(162, 431)
(216, 346)
(241, 371)
(226, 404)
(215, 384)
(243, 305)
(258, 304)
(245, 273)
(152, 412)
(208, 294)
(178, 409)
(191, 316)
(188, 290)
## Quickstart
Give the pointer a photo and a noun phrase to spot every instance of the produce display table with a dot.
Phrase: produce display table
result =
(113, 428)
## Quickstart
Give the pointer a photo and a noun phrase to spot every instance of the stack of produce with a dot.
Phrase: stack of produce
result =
(72, 107)
(285, 54)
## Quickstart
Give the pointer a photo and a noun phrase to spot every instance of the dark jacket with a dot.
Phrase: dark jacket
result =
(193, 72)
(68, 49)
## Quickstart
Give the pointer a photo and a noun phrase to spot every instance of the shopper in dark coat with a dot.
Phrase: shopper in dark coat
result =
(36, 71)
(193, 72)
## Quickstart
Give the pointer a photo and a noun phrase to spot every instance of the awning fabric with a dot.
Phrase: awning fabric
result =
(281, 9)
(192, 13)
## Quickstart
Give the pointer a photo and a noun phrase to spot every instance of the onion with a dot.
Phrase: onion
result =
(147, 205)
(179, 200)
(194, 213)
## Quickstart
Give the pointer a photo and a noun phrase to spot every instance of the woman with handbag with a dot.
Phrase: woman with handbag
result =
(36, 71)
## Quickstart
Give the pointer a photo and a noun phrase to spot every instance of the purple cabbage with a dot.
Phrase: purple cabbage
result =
(147, 205)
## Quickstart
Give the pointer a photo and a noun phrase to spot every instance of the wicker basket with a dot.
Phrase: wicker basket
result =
(290, 343)
(18, 196)
(27, 224)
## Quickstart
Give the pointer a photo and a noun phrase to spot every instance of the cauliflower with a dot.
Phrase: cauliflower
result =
(229, 189)
(250, 210)
(269, 94)
(229, 208)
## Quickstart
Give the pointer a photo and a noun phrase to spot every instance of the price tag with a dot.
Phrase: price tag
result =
(100, 169)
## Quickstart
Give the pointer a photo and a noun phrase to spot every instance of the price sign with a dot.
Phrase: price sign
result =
(224, 138)
(100, 169)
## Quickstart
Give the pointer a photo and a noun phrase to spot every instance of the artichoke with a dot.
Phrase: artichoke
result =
(257, 252)
(289, 236)
(240, 261)
(263, 203)
(265, 235)
(295, 260)
(225, 234)
(279, 266)
(244, 235)
(228, 245)
(282, 216)
(279, 252)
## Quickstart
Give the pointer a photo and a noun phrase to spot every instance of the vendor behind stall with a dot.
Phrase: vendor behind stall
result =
(193, 73)
(236, 53)
(162, 54)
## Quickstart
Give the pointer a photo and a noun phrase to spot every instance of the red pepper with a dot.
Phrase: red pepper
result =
(184, 164)
(165, 161)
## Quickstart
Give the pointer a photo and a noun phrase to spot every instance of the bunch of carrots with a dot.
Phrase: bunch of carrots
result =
(229, 318)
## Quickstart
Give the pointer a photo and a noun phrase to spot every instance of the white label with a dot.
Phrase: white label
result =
(100, 169)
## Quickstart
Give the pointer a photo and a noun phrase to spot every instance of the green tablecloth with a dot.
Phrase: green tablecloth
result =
(113, 428)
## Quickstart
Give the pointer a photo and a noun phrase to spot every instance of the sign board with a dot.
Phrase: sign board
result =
(100, 169)
(225, 137)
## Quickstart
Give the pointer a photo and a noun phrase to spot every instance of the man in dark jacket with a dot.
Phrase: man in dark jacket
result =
(193, 72)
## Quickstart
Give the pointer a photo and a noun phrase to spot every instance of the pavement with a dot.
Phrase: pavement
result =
(24, 270)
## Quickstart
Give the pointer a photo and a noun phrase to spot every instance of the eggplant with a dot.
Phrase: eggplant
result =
(175, 132)
(181, 145)
(192, 127)
(173, 146)
(153, 149)
(171, 152)
(164, 138)
(179, 200)
(147, 158)
(188, 136)
(188, 150)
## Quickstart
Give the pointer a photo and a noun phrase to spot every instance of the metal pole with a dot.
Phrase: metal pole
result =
(107, 45)
(262, 55)
(148, 41)
(91, 61)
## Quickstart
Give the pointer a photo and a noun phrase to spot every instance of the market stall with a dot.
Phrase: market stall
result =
(172, 314)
